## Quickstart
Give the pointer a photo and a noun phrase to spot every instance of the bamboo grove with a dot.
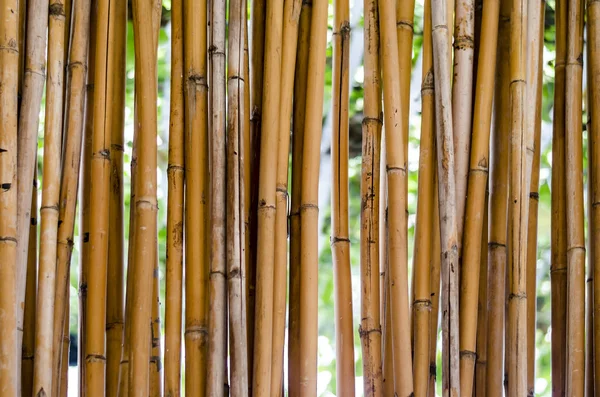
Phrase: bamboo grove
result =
(247, 92)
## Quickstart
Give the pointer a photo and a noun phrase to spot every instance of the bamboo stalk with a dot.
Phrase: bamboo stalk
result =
(155, 361)
(497, 244)
(196, 211)
(384, 275)
(309, 210)
(436, 259)
(475, 207)
(447, 200)
(64, 360)
(175, 210)
(482, 313)
(49, 213)
(299, 110)
(574, 203)
(238, 121)
(291, 17)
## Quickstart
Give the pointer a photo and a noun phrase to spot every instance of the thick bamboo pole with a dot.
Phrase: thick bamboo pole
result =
(196, 210)
(477, 184)
(423, 229)
(43, 366)
(217, 332)
(175, 212)
(291, 17)
(436, 259)
(447, 200)
(497, 244)
(574, 205)
(299, 109)
(9, 237)
(482, 313)
(309, 210)
(75, 105)
(237, 123)
(396, 174)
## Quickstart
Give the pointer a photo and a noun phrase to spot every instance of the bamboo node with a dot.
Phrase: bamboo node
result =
(335, 240)
(427, 86)
(197, 80)
(495, 244)
(56, 10)
(422, 304)
(11, 47)
(8, 239)
(42, 73)
(395, 170)
(535, 196)
(49, 207)
(117, 147)
(75, 64)
(405, 24)
(113, 324)
(518, 296)
(174, 167)
(464, 43)
(371, 120)
(468, 354)
(95, 358)
(576, 248)
(196, 331)
(309, 206)
(364, 333)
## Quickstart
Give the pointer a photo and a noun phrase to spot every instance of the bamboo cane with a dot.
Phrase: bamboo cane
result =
(155, 361)
(370, 324)
(64, 360)
(299, 109)
(574, 204)
(436, 259)
(447, 200)
(482, 313)
(43, 366)
(238, 121)
(384, 275)
(589, 281)
(196, 160)
(396, 174)
(475, 207)
(497, 244)
(175, 211)
(27, 354)
(248, 189)
(22, 12)
(75, 103)
(309, 201)
(291, 17)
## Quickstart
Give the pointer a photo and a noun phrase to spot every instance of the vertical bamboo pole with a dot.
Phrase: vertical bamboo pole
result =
(396, 174)
(43, 369)
(9, 238)
(482, 313)
(176, 175)
(155, 362)
(291, 16)
(309, 210)
(238, 120)
(196, 160)
(447, 200)
(436, 259)
(574, 204)
(477, 184)
(299, 109)
(64, 360)
(27, 354)
(423, 241)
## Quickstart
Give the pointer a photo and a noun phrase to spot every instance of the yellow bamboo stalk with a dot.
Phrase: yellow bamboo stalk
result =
(175, 211)
(574, 204)
(436, 260)
(196, 210)
(299, 109)
(384, 275)
(291, 17)
(482, 313)
(475, 207)
(43, 366)
(309, 209)
(387, 349)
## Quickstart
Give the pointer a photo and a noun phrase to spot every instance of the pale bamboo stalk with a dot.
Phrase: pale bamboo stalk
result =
(384, 273)
(309, 210)
(49, 212)
(482, 313)
(423, 241)
(396, 174)
(447, 200)
(196, 210)
(574, 205)
(27, 354)
(75, 105)
(497, 244)
(370, 324)
(436, 259)
(175, 210)
(589, 280)
(9, 236)
(155, 376)
(22, 11)
(64, 360)
(237, 123)
(33, 85)
(291, 17)
(558, 266)
(299, 109)
(475, 206)
(217, 332)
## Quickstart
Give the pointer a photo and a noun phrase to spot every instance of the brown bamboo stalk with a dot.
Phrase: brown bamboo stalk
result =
(155, 376)
(196, 211)
(384, 275)
(309, 209)
(558, 267)
(291, 17)
(396, 174)
(9, 237)
(574, 204)
(423, 241)
(482, 313)
(237, 129)
(75, 103)
(436, 259)
(477, 184)
(27, 353)
(447, 200)
(43, 369)
(175, 212)
(299, 109)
